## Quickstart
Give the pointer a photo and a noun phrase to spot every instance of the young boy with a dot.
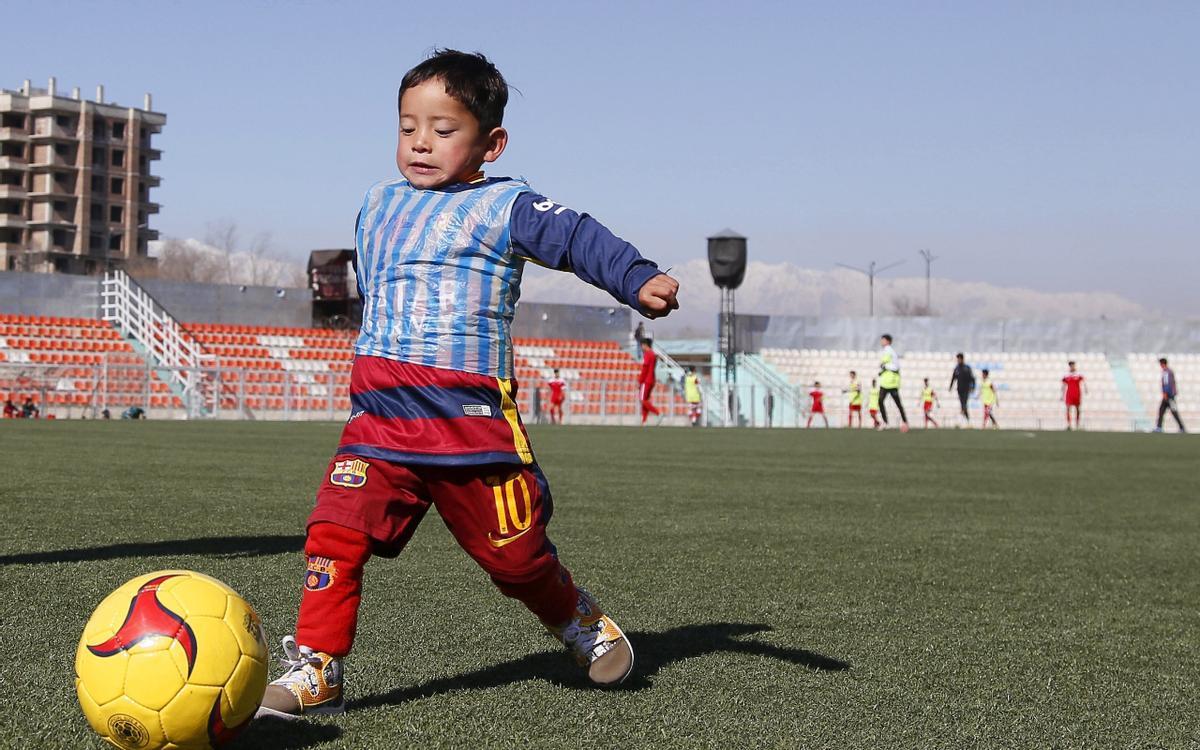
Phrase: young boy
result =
(558, 394)
(1072, 392)
(987, 394)
(855, 391)
(818, 405)
(928, 400)
(433, 405)
(873, 405)
(691, 394)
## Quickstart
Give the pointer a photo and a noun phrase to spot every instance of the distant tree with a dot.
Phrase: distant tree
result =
(907, 307)
(253, 261)
(142, 267)
(180, 261)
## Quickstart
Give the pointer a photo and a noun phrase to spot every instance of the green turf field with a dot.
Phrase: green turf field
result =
(782, 589)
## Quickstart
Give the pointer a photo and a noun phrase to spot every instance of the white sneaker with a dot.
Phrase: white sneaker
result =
(312, 684)
(597, 642)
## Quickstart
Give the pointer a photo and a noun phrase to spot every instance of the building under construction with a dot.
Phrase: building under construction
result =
(75, 180)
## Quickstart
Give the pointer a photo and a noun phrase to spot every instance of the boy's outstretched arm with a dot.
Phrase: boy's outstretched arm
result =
(558, 237)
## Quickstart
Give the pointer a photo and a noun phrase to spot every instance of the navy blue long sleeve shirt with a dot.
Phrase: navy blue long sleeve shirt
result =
(561, 238)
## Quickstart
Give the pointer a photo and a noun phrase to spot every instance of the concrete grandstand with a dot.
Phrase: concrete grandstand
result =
(110, 345)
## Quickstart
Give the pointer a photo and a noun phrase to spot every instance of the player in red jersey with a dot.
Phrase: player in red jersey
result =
(558, 394)
(1072, 392)
(818, 404)
(646, 380)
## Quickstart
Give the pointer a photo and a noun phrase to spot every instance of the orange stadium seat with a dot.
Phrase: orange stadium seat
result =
(308, 368)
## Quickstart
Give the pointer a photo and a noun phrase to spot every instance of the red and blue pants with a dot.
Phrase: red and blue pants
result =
(373, 497)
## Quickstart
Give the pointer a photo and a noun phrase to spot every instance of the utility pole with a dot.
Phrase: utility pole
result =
(929, 259)
(871, 271)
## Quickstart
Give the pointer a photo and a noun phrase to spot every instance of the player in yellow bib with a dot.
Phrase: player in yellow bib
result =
(873, 405)
(889, 380)
(928, 400)
(855, 398)
(987, 394)
(691, 394)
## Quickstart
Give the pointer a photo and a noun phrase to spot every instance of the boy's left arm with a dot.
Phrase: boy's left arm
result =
(558, 237)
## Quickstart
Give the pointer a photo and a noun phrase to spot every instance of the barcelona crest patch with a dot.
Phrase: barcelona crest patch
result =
(350, 473)
(320, 574)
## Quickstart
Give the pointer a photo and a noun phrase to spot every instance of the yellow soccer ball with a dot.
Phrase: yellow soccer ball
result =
(172, 659)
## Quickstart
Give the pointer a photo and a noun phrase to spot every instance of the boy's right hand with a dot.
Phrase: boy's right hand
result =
(657, 296)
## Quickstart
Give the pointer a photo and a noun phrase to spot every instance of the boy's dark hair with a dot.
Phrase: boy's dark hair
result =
(959, 355)
(986, 372)
(470, 78)
(852, 372)
(1162, 361)
(887, 336)
(647, 341)
(1070, 361)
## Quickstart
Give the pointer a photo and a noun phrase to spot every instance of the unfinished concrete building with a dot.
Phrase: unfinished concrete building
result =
(75, 180)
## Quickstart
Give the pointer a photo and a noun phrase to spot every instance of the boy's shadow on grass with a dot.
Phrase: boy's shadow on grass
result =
(653, 652)
(230, 546)
(281, 734)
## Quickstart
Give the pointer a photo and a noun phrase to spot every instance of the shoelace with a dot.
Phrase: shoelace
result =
(296, 659)
(583, 638)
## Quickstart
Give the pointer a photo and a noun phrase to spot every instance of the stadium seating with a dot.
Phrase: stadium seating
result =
(67, 362)
(1029, 384)
(75, 366)
(299, 372)
(600, 375)
(308, 370)
(305, 371)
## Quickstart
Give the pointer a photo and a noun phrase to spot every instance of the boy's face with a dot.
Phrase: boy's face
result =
(440, 141)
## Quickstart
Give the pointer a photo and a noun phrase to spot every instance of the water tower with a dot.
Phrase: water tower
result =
(727, 264)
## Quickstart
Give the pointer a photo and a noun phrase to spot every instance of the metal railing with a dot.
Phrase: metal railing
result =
(153, 330)
(790, 397)
(717, 409)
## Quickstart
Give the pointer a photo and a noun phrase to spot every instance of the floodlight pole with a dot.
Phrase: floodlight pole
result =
(929, 259)
(870, 272)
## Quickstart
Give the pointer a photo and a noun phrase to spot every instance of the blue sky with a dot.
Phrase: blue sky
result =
(1052, 145)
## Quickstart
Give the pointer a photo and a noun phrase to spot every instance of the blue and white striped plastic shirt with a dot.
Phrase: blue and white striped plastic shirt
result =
(438, 276)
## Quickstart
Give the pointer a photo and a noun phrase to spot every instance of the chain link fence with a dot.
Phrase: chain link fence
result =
(116, 382)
